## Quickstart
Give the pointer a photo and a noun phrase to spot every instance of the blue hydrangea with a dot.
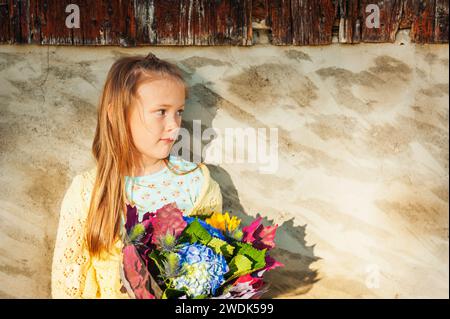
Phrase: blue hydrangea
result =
(204, 270)
(210, 229)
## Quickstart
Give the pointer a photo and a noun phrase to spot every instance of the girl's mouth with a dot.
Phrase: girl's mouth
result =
(167, 140)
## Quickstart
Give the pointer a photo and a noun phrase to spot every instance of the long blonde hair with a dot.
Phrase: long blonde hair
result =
(113, 148)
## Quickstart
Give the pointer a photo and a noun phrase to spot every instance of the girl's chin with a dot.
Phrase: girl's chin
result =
(164, 152)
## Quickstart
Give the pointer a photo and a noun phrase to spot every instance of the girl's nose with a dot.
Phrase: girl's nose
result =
(172, 126)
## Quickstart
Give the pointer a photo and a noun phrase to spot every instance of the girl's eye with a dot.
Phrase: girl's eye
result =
(162, 112)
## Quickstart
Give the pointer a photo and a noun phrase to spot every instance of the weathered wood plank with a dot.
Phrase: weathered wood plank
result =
(18, 17)
(145, 23)
(312, 21)
(389, 16)
(349, 21)
(4, 22)
(260, 10)
(240, 22)
(47, 23)
(203, 21)
(186, 29)
(219, 22)
(408, 14)
(109, 22)
(422, 29)
(103, 22)
(193, 22)
(441, 22)
(166, 17)
(280, 21)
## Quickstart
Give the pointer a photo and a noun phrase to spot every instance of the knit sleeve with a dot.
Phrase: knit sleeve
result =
(70, 258)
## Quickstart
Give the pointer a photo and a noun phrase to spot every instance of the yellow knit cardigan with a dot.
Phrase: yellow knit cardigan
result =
(74, 273)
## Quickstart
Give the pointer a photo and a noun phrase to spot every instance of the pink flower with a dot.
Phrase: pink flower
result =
(260, 236)
(167, 219)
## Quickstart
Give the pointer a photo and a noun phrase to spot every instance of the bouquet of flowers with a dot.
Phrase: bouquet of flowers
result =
(168, 255)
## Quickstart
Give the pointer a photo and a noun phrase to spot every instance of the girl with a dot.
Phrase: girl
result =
(139, 117)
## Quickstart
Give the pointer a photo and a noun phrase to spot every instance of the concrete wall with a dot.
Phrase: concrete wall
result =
(361, 193)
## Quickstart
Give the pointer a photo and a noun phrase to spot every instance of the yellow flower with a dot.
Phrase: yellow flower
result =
(223, 221)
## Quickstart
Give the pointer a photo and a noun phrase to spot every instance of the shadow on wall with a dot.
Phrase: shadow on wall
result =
(296, 277)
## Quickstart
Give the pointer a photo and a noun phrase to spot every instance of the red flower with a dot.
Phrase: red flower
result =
(255, 282)
(136, 274)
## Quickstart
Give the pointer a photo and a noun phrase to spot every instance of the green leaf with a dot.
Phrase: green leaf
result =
(156, 257)
(258, 257)
(239, 266)
(195, 232)
(221, 247)
(200, 297)
(247, 259)
(171, 293)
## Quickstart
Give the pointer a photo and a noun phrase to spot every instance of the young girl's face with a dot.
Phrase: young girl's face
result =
(155, 119)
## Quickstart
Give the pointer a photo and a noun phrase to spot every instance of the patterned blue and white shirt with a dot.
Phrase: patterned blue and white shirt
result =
(155, 190)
